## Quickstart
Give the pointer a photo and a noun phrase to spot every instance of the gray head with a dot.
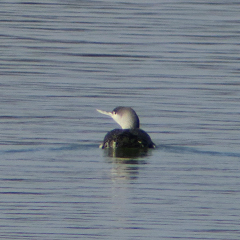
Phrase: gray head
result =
(126, 117)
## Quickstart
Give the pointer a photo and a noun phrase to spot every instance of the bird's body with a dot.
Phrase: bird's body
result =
(127, 138)
(130, 136)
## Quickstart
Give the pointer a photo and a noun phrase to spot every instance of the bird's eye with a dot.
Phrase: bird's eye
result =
(114, 112)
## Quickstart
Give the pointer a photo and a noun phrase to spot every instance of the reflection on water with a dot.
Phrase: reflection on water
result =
(127, 169)
(125, 162)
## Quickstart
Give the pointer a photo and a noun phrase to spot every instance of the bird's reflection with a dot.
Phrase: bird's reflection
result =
(125, 162)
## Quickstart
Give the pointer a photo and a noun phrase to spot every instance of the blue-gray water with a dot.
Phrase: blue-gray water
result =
(176, 63)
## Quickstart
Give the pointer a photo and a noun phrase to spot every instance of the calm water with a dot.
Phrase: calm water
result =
(176, 63)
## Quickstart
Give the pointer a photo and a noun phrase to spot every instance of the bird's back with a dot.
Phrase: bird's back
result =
(127, 138)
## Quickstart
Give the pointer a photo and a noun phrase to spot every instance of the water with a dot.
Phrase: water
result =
(176, 63)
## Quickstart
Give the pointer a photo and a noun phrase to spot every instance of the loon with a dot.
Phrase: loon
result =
(130, 136)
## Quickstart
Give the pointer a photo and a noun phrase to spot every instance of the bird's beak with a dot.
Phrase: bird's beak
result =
(104, 112)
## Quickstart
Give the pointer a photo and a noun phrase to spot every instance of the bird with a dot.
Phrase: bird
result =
(130, 135)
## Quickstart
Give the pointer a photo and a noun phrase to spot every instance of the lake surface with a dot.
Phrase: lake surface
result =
(176, 63)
